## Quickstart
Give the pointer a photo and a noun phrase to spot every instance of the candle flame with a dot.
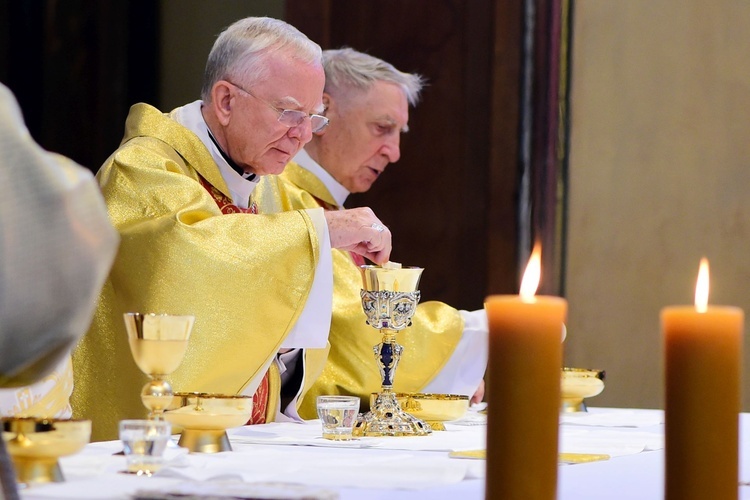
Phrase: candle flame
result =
(530, 281)
(701, 287)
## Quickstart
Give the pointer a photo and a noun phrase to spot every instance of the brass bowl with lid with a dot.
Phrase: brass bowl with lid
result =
(205, 417)
(35, 444)
(579, 384)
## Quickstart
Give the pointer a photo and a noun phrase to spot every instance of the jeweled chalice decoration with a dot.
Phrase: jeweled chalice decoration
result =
(389, 299)
(158, 343)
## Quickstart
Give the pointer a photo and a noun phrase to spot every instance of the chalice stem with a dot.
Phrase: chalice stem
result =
(388, 354)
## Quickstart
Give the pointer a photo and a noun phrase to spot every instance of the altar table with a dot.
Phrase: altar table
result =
(292, 457)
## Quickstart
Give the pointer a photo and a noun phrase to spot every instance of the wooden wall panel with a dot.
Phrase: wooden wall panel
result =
(453, 191)
(76, 67)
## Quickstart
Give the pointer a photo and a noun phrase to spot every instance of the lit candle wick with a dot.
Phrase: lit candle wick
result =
(701, 287)
(532, 274)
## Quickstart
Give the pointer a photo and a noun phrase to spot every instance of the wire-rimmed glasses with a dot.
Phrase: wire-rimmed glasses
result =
(291, 117)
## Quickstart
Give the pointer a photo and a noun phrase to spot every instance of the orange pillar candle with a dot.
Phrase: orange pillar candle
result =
(523, 391)
(703, 356)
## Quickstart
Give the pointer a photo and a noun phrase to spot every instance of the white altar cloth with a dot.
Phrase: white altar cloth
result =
(408, 468)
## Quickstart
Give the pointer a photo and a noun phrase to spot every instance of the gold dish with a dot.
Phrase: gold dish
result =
(35, 444)
(579, 384)
(432, 408)
(563, 458)
(204, 418)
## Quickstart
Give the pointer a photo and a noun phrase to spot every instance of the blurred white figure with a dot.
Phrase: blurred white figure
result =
(56, 247)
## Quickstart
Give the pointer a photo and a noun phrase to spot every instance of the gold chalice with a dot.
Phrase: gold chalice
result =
(204, 419)
(579, 384)
(33, 370)
(35, 444)
(158, 343)
(389, 299)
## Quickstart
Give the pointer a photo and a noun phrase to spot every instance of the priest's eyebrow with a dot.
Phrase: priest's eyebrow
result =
(386, 119)
(289, 102)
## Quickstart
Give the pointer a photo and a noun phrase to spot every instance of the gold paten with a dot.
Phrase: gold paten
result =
(204, 419)
(563, 458)
(578, 384)
(35, 444)
(158, 343)
(389, 299)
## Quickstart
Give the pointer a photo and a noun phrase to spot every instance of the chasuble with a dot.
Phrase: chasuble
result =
(351, 367)
(244, 277)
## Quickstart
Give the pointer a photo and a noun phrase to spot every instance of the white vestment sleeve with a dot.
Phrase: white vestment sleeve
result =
(313, 325)
(465, 369)
(25, 400)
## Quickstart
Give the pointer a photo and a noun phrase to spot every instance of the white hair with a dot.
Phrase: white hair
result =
(347, 68)
(240, 51)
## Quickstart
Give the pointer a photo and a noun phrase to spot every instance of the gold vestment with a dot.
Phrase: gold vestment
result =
(351, 367)
(244, 277)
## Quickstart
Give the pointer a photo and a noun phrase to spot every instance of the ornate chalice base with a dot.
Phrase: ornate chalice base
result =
(386, 418)
(435, 409)
(35, 444)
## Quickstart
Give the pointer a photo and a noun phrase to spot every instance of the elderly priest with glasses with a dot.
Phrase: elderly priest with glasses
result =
(180, 192)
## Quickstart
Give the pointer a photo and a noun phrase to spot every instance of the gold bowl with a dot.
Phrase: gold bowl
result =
(204, 418)
(579, 384)
(432, 408)
(35, 444)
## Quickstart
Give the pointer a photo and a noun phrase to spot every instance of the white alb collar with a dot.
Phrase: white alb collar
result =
(240, 189)
(339, 192)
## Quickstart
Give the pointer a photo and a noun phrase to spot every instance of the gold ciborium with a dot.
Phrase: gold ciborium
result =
(204, 419)
(158, 343)
(389, 299)
(577, 385)
(35, 444)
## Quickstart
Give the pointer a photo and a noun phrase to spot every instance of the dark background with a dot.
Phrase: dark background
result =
(482, 170)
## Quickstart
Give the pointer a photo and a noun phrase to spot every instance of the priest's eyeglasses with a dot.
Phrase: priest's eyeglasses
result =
(291, 117)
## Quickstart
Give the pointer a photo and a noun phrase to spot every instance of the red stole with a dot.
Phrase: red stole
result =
(260, 398)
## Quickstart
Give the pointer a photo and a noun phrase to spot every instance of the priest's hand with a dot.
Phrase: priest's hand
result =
(358, 230)
(478, 395)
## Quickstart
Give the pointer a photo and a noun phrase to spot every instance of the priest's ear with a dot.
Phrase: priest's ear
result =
(221, 101)
(327, 101)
